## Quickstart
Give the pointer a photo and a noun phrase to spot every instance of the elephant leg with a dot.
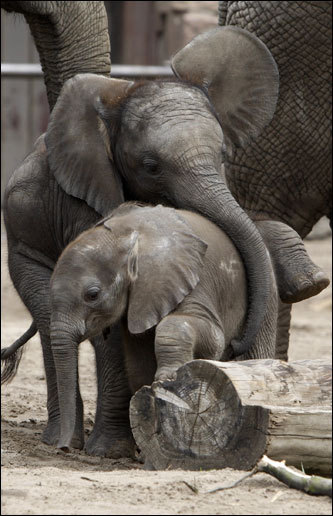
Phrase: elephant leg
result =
(297, 276)
(180, 338)
(111, 435)
(32, 280)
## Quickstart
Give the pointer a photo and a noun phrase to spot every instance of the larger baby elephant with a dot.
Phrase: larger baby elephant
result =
(165, 141)
(172, 277)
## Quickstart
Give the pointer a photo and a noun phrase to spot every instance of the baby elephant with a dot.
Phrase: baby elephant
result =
(173, 279)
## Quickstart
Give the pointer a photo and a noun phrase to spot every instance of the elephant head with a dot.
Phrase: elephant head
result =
(139, 264)
(165, 140)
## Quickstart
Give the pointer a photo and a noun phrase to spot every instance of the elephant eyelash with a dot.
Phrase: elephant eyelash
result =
(150, 165)
(92, 294)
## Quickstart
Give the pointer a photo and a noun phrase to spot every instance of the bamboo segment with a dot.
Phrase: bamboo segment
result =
(230, 414)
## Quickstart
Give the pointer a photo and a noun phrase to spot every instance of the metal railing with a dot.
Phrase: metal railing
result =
(31, 70)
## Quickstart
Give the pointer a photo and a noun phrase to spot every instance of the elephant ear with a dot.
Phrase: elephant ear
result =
(77, 142)
(240, 75)
(170, 258)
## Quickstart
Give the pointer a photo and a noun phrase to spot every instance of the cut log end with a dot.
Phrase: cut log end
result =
(196, 422)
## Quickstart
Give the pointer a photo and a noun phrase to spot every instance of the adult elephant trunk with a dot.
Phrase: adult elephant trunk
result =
(218, 204)
(65, 354)
(71, 38)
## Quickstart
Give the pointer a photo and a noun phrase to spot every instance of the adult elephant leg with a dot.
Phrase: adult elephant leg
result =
(111, 435)
(32, 280)
(297, 276)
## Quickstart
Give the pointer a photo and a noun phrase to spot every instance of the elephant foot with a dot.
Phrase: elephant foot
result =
(51, 435)
(165, 373)
(106, 446)
(77, 441)
(305, 285)
(297, 277)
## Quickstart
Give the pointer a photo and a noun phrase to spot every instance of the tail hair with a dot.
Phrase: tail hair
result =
(11, 356)
(10, 365)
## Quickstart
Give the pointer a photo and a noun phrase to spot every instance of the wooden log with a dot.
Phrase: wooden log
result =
(229, 414)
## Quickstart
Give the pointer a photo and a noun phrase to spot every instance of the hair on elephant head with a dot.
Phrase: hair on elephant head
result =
(164, 140)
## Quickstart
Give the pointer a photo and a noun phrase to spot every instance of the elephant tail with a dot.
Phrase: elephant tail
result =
(11, 356)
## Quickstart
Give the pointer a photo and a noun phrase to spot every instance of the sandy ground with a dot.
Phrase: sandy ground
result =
(37, 479)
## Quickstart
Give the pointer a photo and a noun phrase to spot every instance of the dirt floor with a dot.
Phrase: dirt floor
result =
(37, 479)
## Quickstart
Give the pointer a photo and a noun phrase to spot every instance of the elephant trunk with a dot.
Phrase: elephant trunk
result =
(218, 204)
(71, 38)
(65, 354)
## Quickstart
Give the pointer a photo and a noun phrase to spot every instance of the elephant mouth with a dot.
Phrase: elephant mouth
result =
(99, 324)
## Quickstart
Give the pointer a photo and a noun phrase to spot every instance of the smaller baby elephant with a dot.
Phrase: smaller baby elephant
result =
(173, 279)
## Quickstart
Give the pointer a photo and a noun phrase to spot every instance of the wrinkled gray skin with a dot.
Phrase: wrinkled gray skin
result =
(173, 279)
(156, 141)
(286, 175)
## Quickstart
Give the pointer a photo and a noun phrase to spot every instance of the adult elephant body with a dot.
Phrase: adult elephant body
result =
(286, 176)
(156, 141)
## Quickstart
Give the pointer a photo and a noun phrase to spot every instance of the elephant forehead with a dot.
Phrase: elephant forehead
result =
(89, 246)
(167, 100)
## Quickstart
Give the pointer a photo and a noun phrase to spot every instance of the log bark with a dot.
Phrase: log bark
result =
(230, 414)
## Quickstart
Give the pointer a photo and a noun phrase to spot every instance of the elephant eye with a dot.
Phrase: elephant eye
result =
(92, 293)
(150, 165)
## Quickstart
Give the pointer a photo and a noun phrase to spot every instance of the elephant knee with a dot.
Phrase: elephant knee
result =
(174, 344)
(174, 329)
